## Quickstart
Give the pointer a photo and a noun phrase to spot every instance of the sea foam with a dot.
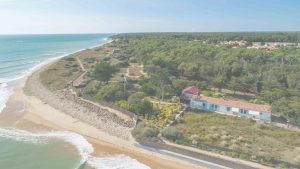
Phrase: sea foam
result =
(82, 145)
(84, 148)
(116, 162)
(4, 95)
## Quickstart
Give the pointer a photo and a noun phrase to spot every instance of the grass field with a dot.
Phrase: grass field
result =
(240, 135)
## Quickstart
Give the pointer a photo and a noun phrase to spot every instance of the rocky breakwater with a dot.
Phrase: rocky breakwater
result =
(77, 108)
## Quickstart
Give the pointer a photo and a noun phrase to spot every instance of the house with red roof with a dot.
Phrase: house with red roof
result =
(188, 93)
(228, 107)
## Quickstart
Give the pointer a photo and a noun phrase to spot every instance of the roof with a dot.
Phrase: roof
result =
(233, 103)
(191, 89)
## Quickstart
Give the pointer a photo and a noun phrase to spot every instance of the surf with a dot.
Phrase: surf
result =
(84, 148)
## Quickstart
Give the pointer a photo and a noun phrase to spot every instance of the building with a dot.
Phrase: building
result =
(188, 93)
(231, 107)
(192, 97)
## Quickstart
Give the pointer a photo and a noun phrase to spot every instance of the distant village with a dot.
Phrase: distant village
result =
(259, 45)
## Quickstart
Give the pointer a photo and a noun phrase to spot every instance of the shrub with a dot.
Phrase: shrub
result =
(142, 132)
(259, 125)
(103, 71)
(244, 156)
(124, 105)
(149, 89)
(111, 93)
(135, 98)
(171, 133)
(70, 59)
(195, 139)
(207, 93)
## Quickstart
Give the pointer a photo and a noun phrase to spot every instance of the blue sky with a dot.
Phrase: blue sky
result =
(113, 16)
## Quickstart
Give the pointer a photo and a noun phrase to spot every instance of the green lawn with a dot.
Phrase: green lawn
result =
(240, 135)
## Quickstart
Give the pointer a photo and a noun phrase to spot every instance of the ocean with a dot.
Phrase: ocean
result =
(19, 149)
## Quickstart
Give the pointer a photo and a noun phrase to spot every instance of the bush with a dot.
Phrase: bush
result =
(142, 132)
(171, 133)
(124, 105)
(259, 125)
(149, 89)
(244, 156)
(135, 98)
(207, 93)
(195, 139)
(70, 59)
(144, 108)
(111, 93)
(104, 71)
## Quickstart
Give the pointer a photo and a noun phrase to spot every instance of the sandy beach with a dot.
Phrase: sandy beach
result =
(27, 111)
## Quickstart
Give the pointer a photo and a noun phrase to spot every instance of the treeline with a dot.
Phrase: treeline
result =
(293, 37)
(273, 76)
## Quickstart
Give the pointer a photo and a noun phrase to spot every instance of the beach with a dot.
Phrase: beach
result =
(33, 108)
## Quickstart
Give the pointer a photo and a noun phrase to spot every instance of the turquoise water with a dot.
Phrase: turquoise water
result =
(52, 155)
(19, 54)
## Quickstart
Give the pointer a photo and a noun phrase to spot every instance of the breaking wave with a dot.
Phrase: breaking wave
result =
(84, 148)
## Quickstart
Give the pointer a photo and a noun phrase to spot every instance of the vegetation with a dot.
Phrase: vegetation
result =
(173, 61)
(215, 37)
(142, 132)
(242, 138)
(103, 71)
(171, 133)
(200, 59)
(60, 74)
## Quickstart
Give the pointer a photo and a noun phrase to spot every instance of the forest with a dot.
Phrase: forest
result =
(199, 59)
(215, 37)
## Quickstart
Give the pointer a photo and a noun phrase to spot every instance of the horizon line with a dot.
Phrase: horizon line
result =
(137, 32)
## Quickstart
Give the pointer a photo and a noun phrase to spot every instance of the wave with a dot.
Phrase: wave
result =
(116, 162)
(12, 60)
(4, 95)
(82, 145)
(20, 64)
(84, 148)
(42, 56)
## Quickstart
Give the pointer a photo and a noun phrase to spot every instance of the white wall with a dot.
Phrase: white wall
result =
(234, 109)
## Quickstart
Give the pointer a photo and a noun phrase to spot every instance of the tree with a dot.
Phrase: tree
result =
(103, 71)
(143, 108)
(135, 98)
(161, 79)
(219, 81)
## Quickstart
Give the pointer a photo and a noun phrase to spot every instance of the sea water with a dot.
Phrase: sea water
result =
(20, 54)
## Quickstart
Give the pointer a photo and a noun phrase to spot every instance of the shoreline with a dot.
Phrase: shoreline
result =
(31, 113)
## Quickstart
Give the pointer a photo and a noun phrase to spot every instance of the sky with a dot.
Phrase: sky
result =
(117, 16)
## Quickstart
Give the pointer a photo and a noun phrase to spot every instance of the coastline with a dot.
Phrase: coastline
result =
(31, 113)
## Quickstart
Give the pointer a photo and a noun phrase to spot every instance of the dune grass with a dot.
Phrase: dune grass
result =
(240, 135)
(58, 75)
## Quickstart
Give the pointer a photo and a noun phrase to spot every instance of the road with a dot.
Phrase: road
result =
(198, 159)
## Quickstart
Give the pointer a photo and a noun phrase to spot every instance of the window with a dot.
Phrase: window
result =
(204, 104)
(260, 113)
(228, 108)
(243, 111)
(211, 107)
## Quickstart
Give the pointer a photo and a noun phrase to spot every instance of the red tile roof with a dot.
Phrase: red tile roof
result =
(191, 89)
(233, 103)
